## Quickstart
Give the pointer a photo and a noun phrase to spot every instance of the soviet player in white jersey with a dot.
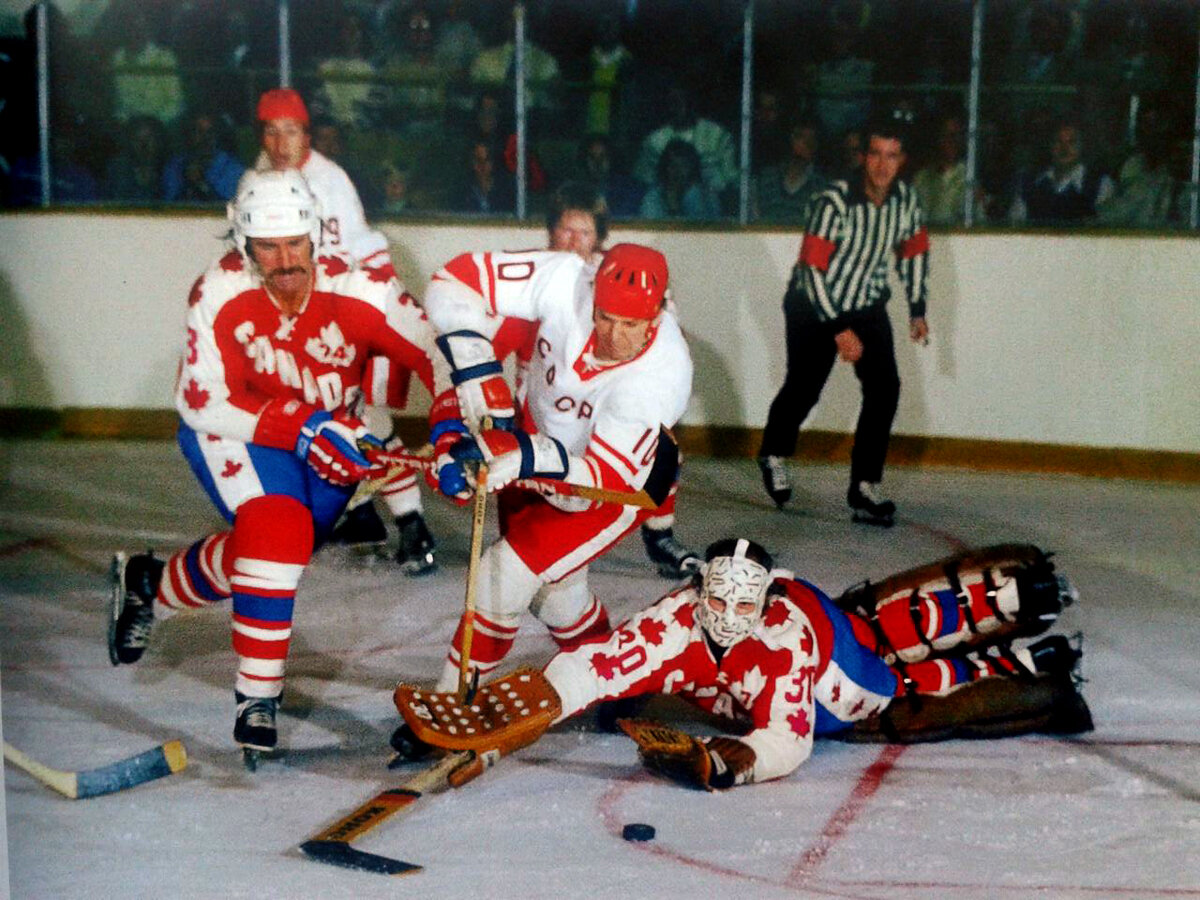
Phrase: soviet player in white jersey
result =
(610, 374)
(277, 340)
(284, 126)
(775, 655)
(577, 221)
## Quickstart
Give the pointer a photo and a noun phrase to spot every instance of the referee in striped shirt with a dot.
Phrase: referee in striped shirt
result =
(835, 307)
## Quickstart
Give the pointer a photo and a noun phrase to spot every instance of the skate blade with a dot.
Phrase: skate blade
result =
(866, 518)
(252, 756)
(415, 568)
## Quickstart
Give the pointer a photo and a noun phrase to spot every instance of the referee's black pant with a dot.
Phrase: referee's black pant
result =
(811, 351)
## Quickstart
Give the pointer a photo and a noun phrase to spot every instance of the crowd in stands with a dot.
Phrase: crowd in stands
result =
(1086, 110)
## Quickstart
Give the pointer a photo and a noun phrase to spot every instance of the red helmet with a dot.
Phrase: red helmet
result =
(631, 281)
(282, 103)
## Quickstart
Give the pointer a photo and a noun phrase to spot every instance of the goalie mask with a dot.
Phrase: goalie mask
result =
(733, 589)
(274, 205)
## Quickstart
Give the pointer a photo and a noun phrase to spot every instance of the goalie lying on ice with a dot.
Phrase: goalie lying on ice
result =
(780, 658)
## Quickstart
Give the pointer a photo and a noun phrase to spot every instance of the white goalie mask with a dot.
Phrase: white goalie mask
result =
(733, 590)
(274, 205)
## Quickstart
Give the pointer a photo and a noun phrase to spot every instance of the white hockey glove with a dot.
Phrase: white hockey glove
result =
(509, 455)
(478, 380)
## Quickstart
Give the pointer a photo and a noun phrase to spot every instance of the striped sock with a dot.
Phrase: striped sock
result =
(195, 577)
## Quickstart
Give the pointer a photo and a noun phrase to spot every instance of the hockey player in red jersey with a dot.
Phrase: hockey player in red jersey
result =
(610, 373)
(775, 655)
(277, 340)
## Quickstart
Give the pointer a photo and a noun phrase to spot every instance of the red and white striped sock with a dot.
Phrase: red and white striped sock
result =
(195, 577)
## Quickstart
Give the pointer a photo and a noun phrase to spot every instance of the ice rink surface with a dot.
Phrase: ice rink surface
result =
(1114, 814)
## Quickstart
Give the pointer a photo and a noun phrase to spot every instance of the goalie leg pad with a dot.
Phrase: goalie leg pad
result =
(968, 600)
(989, 708)
(506, 714)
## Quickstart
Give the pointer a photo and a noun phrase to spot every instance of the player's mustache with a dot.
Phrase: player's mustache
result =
(294, 270)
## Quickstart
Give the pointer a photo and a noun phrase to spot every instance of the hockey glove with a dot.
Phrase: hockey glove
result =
(330, 446)
(478, 380)
(721, 763)
(509, 455)
(446, 428)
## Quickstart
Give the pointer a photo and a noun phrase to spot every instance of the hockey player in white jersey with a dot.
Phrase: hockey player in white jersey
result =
(286, 144)
(610, 374)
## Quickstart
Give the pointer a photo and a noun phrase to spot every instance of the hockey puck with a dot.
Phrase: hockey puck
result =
(638, 831)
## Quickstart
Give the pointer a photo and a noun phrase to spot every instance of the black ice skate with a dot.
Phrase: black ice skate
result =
(361, 528)
(775, 479)
(131, 606)
(254, 728)
(672, 558)
(414, 553)
(867, 506)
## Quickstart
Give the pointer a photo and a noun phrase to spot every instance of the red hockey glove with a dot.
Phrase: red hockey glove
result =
(330, 447)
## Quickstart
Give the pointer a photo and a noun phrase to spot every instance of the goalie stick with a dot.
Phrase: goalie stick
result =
(332, 846)
(158, 762)
(423, 461)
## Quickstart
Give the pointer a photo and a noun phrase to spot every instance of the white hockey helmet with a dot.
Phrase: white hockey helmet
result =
(274, 204)
(733, 589)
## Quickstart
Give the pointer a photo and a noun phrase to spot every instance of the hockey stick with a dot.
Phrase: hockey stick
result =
(464, 664)
(332, 846)
(165, 759)
(639, 499)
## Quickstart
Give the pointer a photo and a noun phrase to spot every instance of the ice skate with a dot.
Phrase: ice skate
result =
(254, 728)
(362, 529)
(131, 606)
(775, 479)
(414, 553)
(866, 505)
(674, 560)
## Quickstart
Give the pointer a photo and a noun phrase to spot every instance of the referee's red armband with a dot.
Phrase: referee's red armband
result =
(816, 251)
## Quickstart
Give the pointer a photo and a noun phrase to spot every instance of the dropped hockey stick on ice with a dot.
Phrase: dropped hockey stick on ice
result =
(165, 759)
(332, 845)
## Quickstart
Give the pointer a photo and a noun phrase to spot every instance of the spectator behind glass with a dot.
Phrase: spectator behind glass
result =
(842, 80)
(1068, 191)
(783, 191)
(622, 194)
(457, 42)
(607, 74)
(485, 187)
(679, 192)
(145, 72)
(348, 92)
(135, 173)
(768, 132)
(490, 125)
(493, 66)
(942, 183)
(712, 142)
(204, 171)
(848, 156)
(416, 82)
(1146, 190)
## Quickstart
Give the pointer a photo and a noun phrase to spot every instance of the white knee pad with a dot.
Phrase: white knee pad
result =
(506, 585)
(561, 604)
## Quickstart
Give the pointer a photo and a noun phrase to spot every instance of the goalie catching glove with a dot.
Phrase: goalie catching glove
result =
(713, 764)
(478, 380)
(506, 714)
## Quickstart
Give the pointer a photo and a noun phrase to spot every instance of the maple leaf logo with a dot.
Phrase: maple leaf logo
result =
(836, 693)
(331, 347)
(196, 292)
(604, 665)
(652, 630)
(384, 273)
(777, 614)
(195, 396)
(686, 615)
(806, 641)
(333, 265)
(857, 708)
(232, 262)
(799, 723)
(752, 684)
(231, 468)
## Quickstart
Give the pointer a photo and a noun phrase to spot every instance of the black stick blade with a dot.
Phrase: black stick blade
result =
(340, 853)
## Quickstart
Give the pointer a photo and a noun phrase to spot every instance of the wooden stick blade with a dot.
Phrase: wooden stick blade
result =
(158, 762)
(340, 853)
